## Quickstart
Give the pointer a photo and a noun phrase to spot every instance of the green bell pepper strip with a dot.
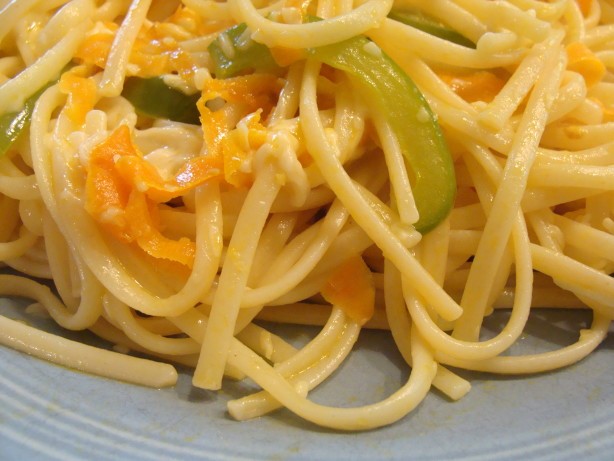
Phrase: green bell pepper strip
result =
(14, 124)
(388, 89)
(248, 55)
(152, 97)
(430, 25)
(391, 92)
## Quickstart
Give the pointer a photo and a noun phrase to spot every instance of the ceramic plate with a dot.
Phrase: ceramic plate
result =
(48, 412)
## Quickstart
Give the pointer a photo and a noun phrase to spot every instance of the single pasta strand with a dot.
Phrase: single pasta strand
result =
(432, 85)
(543, 298)
(82, 317)
(396, 39)
(325, 9)
(124, 317)
(577, 137)
(30, 212)
(588, 341)
(14, 92)
(548, 234)
(588, 176)
(117, 62)
(399, 179)
(466, 123)
(123, 345)
(547, 11)
(12, 11)
(287, 104)
(265, 343)
(575, 276)
(233, 279)
(504, 15)
(85, 358)
(575, 30)
(433, 252)
(467, 217)
(274, 237)
(349, 122)
(194, 323)
(317, 347)
(601, 155)
(539, 198)
(452, 14)
(209, 9)
(586, 237)
(313, 314)
(17, 247)
(19, 188)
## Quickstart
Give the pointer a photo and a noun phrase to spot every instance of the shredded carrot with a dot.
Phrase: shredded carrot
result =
(157, 49)
(122, 190)
(135, 170)
(142, 226)
(482, 85)
(239, 97)
(582, 60)
(95, 48)
(81, 91)
(106, 193)
(286, 56)
(351, 288)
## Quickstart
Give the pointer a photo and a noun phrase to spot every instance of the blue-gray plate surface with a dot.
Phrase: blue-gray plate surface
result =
(48, 412)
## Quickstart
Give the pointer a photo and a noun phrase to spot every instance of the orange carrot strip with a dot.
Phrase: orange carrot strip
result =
(351, 287)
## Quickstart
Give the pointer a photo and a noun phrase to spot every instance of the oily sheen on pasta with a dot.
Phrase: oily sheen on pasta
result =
(176, 175)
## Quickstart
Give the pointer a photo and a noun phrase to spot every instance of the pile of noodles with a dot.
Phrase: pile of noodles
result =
(283, 202)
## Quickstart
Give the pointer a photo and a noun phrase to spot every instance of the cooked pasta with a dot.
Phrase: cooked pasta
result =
(177, 176)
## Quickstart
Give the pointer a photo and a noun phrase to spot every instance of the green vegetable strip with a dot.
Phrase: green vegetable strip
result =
(392, 93)
(152, 97)
(246, 56)
(427, 24)
(13, 124)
